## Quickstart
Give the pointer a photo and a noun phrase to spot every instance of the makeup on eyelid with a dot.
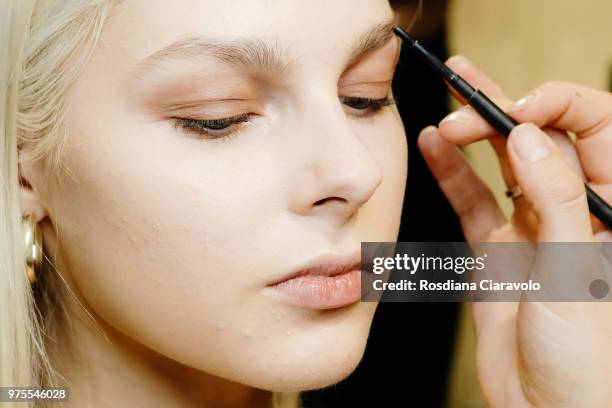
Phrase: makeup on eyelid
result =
(213, 109)
(217, 128)
(217, 81)
(203, 91)
(366, 90)
(192, 110)
(215, 101)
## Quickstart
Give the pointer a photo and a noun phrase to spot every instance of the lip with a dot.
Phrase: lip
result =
(326, 282)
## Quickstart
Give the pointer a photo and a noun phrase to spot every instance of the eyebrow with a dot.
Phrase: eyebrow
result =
(253, 53)
(373, 39)
(257, 53)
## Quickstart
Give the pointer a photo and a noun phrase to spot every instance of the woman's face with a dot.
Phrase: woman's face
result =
(178, 219)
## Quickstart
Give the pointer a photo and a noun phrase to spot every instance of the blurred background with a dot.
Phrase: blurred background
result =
(422, 354)
(521, 44)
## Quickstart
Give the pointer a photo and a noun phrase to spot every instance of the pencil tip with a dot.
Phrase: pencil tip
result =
(403, 34)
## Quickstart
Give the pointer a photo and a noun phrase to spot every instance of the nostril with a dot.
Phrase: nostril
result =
(328, 199)
(24, 183)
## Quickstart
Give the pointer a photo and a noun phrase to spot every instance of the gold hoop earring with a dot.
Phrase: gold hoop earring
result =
(33, 246)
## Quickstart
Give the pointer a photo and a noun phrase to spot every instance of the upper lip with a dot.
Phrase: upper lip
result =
(325, 265)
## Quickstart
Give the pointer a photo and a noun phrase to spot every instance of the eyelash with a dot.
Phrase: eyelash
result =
(222, 127)
(367, 106)
(212, 128)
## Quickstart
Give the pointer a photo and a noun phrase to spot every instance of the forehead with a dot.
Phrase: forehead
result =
(309, 29)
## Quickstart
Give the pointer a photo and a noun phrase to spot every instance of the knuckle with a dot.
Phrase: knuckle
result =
(553, 85)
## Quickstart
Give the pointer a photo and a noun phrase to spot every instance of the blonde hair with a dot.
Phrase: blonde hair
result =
(44, 45)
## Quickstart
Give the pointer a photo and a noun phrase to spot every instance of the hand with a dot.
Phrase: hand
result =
(535, 353)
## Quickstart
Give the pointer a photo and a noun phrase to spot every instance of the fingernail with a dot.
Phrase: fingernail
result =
(523, 103)
(530, 143)
(428, 130)
(460, 116)
(459, 59)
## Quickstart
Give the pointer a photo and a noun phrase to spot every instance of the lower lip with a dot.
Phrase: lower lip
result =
(321, 292)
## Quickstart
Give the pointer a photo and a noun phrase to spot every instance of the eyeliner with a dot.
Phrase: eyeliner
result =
(490, 112)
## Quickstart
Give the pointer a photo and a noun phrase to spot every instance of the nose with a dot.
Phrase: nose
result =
(335, 172)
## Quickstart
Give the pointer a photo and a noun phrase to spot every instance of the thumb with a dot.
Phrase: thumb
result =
(549, 183)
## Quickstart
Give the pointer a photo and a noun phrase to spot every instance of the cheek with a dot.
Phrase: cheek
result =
(158, 229)
(178, 246)
(170, 234)
(386, 141)
(167, 235)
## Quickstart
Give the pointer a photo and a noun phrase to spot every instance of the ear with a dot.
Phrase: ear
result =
(29, 199)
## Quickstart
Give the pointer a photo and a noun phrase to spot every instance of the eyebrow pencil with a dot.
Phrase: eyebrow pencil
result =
(490, 112)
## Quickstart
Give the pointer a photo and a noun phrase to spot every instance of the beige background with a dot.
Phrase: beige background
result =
(521, 44)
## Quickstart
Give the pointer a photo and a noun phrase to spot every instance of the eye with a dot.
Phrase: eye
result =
(213, 128)
(366, 106)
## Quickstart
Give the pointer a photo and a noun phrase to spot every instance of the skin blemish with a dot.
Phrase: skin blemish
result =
(192, 230)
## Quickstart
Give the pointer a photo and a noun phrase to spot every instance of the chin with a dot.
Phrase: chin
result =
(320, 371)
(318, 356)
(329, 374)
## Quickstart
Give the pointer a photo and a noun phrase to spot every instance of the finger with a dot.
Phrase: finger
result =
(568, 148)
(604, 236)
(474, 128)
(459, 133)
(586, 112)
(567, 106)
(474, 76)
(473, 202)
(465, 125)
(552, 187)
(522, 215)
(605, 192)
(560, 138)
(495, 327)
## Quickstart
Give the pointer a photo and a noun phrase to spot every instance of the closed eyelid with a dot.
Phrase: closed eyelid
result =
(359, 83)
(209, 109)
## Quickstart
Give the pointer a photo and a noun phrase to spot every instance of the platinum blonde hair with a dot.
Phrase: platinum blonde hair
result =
(44, 46)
